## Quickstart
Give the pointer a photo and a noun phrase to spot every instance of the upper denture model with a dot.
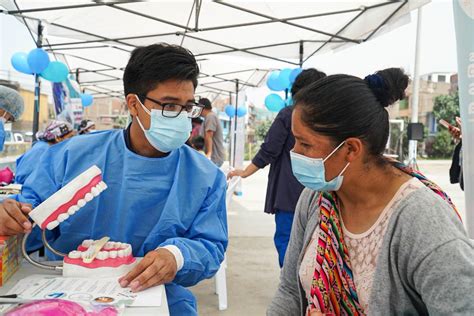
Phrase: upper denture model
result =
(69, 199)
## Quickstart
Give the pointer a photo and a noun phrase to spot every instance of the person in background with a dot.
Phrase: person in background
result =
(11, 108)
(198, 144)
(456, 170)
(196, 122)
(371, 236)
(86, 127)
(211, 130)
(283, 189)
(54, 133)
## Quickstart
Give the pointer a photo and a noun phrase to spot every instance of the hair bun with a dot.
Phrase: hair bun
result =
(388, 85)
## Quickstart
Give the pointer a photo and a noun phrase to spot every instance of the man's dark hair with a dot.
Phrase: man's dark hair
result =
(206, 102)
(198, 142)
(305, 78)
(150, 65)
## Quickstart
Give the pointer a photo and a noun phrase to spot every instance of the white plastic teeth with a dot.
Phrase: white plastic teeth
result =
(103, 255)
(113, 254)
(88, 197)
(52, 225)
(72, 210)
(62, 217)
(121, 253)
(87, 243)
(75, 254)
(128, 251)
(101, 186)
(109, 245)
(95, 192)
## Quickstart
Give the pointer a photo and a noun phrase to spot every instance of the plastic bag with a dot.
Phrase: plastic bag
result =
(58, 307)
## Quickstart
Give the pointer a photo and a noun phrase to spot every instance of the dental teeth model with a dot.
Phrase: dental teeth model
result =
(69, 199)
(115, 259)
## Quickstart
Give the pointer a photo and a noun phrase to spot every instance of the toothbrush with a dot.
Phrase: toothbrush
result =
(94, 249)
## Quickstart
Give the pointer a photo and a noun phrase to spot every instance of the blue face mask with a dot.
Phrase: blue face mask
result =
(311, 173)
(166, 134)
(2, 132)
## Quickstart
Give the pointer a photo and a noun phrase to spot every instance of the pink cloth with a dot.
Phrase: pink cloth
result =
(6, 175)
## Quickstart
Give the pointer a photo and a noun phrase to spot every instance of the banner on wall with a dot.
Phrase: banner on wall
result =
(464, 25)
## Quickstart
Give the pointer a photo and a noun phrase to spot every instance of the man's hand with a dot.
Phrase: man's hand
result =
(14, 218)
(157, 267)
(236, 173)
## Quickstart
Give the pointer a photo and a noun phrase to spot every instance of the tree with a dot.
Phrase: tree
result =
(446, 107)
(262, 129)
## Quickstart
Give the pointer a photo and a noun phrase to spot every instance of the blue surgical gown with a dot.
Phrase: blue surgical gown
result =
(26, 163)
(150, 202)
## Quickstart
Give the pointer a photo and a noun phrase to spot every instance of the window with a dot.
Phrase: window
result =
(441, 78)
(432, 124)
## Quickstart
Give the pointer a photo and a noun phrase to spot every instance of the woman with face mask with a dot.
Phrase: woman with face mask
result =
(370, 236)
(11, 108)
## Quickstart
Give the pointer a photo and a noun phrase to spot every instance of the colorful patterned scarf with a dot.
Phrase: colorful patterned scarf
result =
(333, 290)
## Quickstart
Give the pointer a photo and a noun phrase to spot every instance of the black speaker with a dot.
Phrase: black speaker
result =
(416, 131)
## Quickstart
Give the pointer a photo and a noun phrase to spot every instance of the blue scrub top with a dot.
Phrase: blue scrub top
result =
(150, 202)
(26, 163)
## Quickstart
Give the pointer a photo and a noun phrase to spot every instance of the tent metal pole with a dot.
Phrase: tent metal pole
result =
(412, 147)
(36, 109)
(301, 53)
(234, 145)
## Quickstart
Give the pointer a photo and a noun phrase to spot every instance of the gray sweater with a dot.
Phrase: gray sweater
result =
(425, 265)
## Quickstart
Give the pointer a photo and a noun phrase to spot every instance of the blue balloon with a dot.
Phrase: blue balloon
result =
(56, 72)
(295, 73)
(87, 99)
(241, 111)
(274, 102)
(274, 83)
(230, 110)
(20, 63)
(284, 78)
(38, 60)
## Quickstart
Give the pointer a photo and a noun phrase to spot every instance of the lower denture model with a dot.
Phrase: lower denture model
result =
(113, 259)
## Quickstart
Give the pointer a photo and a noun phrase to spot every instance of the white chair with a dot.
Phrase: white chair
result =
(221, 279)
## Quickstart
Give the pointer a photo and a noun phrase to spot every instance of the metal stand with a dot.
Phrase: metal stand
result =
(48, 246)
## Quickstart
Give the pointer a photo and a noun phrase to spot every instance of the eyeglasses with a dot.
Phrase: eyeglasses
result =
(172, 110)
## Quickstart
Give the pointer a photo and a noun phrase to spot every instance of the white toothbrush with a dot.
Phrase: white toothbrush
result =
(94, 249)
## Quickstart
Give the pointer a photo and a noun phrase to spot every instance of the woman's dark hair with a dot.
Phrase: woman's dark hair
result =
(157, 63)
(343, 106)
(305, 78)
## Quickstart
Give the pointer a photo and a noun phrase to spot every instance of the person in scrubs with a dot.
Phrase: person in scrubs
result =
(165, 199)
(11, 108)
(54, 133)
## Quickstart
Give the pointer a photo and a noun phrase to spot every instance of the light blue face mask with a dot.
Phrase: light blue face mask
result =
(311, 173)
(166, 134)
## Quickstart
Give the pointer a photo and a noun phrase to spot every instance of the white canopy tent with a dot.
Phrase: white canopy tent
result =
(232, 40)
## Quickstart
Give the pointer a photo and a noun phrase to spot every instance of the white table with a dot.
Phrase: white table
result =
(27, 270)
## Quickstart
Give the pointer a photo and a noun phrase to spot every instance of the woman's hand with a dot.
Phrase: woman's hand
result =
(236, 173)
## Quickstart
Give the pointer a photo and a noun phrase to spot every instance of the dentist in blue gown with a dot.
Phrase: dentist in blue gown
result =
(165, 199)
